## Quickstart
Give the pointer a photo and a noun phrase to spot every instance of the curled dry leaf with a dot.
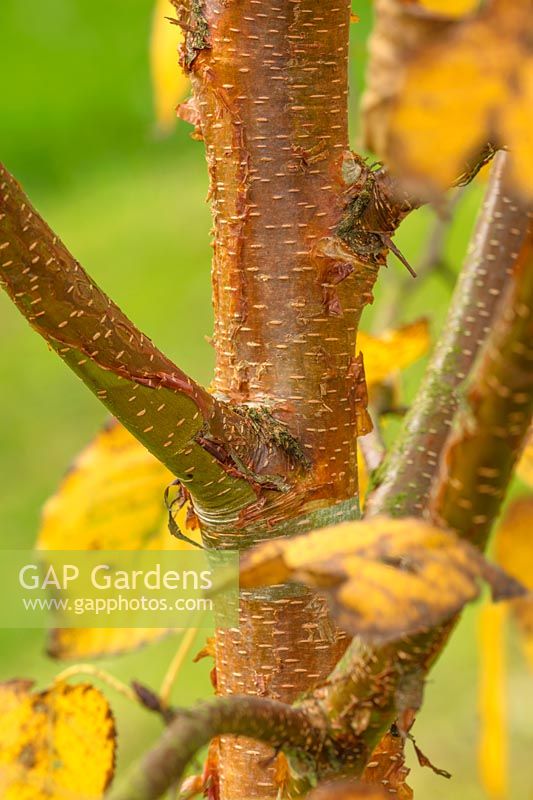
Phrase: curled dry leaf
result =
(112, 498)
(55, 744)
(385, 578)
(464, 90)
(170, 84)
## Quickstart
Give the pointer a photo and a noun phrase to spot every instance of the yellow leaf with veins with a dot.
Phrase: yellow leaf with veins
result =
(170, 84)
(385, 578)
(393, 350)
(112, 498)
(55, 744)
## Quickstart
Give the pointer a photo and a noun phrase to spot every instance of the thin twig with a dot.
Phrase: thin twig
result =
(175, 666)
(101, 674)
(267, 720)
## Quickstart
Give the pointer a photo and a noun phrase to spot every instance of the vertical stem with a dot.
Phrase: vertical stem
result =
(408, 470)
(270, 90)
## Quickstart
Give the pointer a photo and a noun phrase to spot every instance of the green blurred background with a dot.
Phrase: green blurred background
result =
(77, 129)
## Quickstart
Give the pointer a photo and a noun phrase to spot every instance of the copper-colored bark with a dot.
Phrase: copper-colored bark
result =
(270, 86)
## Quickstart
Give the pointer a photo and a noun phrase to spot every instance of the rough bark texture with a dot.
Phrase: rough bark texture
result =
(191, 730)
(301, 226)
(270, 95)
(224, 458)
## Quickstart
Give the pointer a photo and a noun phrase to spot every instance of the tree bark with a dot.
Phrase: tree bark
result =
(270, 90)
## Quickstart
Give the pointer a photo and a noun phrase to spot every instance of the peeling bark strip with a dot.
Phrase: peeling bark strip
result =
(404, 479)
(159, 404)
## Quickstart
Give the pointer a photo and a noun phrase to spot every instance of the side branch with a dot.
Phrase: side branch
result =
(371, 688)
(403, 482)
(493, 421)
(274, 723)
(491, 428)
(201, 440)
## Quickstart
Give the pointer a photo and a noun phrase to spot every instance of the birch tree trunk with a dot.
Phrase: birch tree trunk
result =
(270, 91)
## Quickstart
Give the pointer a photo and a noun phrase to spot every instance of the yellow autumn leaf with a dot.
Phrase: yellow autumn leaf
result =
(513, 549)
(170, 84)
(492, 705)
(363, 477)
(55, 744)
(80, 644)
(112, 498)
(385, 578)
(393, 350)
(524, 469)
(463, 91)
(447, 8)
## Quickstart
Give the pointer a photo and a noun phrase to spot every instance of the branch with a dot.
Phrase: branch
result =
(493, 421)
(479, 458)
(199, 439)
(404, 480)
(269, 721)
(370, 688)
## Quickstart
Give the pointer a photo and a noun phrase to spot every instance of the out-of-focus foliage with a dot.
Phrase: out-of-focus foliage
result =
(169, 81)
(448, 8)
(55, 744)
(384, 356)
(393, 350)
(513, 549)
(111, 499)
(463, 90)
(524, 469)
(492, 701)
(385, 578)
(514, 552)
